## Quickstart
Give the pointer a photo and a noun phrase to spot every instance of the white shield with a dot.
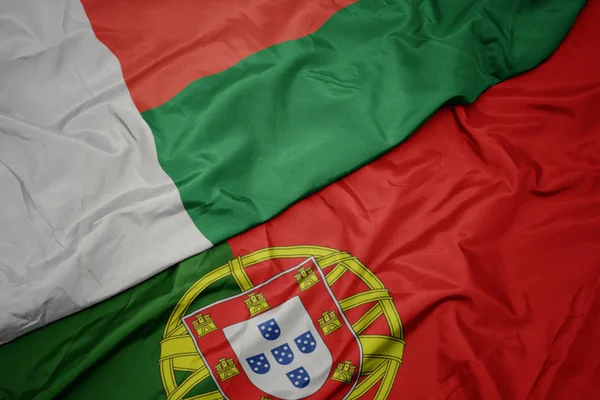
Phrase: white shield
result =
(293, 320)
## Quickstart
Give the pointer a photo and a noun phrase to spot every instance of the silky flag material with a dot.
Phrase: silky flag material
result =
(133, 136)
(461, 265)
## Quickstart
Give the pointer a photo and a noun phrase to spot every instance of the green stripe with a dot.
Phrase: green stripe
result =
(244, 144)
(111, 350)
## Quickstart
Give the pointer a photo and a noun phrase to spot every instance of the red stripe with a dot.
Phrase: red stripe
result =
(485, 226)
(165, 45)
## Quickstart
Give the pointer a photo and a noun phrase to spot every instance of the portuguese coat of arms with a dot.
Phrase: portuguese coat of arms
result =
(284, 339)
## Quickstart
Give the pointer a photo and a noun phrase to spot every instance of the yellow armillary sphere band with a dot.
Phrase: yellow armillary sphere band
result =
(382, 354)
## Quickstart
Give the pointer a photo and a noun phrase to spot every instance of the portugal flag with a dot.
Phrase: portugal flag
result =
(150, 154)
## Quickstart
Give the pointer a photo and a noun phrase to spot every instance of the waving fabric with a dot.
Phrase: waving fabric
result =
(241, 116)
(465, 261)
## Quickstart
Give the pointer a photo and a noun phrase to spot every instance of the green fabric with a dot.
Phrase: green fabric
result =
(244, 144)
(111, 350)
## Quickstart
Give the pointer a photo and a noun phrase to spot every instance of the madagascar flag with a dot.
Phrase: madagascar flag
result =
(463, 264)
(135, 134)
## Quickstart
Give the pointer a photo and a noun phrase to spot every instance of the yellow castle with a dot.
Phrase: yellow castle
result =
(306, 278)
(329, 322)
(256, 303)
(226, 369)
(344, 372)
(204, 324)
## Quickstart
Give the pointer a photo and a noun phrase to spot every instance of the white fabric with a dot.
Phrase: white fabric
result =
(85, 209)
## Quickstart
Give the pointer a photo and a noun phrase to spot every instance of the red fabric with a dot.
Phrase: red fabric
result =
(485, 227)
(165, 45)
